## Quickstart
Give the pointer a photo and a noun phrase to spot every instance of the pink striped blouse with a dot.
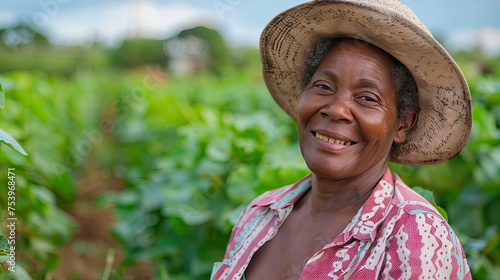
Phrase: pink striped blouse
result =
(396, 234)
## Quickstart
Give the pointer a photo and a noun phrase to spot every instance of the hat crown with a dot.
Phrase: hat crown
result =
(389, 7)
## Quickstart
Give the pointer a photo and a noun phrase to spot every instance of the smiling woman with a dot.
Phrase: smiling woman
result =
(367, 84)
(351, 104)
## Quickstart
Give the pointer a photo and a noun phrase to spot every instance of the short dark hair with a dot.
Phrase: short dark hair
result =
(402, 79)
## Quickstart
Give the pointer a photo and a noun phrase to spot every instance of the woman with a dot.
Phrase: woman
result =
(367, 84)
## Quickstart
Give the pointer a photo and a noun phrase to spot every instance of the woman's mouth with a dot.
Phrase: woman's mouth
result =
(332, 140)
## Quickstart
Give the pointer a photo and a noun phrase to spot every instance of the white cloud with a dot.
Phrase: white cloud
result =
(487, 38)
(111, 21)
(114, 21)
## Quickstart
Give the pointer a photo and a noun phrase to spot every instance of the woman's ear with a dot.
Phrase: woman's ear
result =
(405, 125)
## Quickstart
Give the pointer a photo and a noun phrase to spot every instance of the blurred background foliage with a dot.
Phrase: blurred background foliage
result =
(141, 156)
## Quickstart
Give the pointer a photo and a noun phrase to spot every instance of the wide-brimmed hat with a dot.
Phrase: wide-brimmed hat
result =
(444, 122)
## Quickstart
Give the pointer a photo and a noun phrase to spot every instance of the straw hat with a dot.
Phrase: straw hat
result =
(444, 123)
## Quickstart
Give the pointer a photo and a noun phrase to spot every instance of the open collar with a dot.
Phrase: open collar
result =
(364, 224)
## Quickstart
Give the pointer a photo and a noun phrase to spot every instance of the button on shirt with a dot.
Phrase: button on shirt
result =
(396, 234)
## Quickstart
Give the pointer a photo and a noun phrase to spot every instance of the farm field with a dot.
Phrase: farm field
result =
(134, 172)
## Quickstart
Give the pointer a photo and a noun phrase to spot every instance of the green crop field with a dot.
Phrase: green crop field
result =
(139, 172)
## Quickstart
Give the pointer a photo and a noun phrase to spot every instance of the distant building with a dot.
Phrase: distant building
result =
(187, 55)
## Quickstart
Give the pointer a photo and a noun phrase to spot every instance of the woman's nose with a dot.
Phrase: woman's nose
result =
(338, 108)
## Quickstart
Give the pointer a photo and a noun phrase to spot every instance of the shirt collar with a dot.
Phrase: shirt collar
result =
(363, 226)
(285, 197)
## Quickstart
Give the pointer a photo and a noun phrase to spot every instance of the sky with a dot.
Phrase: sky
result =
(460, 23)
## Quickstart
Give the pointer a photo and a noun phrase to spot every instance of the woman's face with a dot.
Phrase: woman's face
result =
(347, 114)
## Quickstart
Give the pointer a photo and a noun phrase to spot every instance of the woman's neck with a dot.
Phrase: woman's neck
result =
(342, 195)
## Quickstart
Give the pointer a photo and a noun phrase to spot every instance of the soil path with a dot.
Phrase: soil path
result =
(84, 258)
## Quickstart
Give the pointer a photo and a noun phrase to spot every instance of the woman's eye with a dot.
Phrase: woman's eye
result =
(323, 86)
(369, 99)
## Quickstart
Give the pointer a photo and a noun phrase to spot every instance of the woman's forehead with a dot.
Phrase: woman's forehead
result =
(353, 58)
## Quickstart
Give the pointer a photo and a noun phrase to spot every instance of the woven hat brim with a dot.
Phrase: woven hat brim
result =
(445, 119)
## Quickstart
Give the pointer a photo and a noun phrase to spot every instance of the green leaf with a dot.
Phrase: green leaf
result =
(22, 274)
(2, 97)
(5, 137)
(429, 196)
(442, 212)
(19, 274)
(4, 244)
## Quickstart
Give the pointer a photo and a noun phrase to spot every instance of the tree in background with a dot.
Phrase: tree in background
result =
(197, 49)
(135, 52)
(21, 35)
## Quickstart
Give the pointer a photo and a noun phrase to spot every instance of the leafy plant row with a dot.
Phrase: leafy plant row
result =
(53, 119)
(191, 152)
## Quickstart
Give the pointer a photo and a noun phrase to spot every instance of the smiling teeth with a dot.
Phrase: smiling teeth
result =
(332, 140)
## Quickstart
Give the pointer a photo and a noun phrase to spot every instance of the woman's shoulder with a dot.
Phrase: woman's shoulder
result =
(411, 202)
(418, 234)
(415, 216)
